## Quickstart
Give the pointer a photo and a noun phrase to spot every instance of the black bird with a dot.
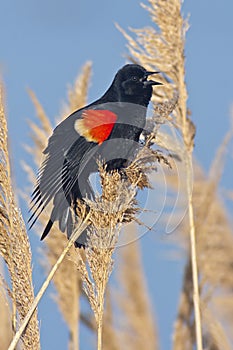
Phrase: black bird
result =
(108, 128)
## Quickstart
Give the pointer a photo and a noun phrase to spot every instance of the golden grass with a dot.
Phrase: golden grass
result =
(15, 248)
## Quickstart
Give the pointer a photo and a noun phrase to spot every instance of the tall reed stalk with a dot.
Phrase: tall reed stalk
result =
(164, 49)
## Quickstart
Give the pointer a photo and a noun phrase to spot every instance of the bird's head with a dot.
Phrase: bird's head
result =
(133, 84)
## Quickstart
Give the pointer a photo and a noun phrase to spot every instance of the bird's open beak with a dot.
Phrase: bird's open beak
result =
(150, 82)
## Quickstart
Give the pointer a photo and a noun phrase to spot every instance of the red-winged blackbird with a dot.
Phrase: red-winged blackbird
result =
(108, 128)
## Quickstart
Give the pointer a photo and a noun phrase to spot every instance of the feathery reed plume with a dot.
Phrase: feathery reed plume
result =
(67, 278)
(164, 49)
(138, 327)
(107, 213)
(14, 246)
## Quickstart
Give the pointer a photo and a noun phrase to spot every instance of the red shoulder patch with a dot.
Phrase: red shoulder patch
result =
(96, 125)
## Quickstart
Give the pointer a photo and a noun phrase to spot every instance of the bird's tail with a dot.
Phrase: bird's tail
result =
(47, 229)
(62, 213)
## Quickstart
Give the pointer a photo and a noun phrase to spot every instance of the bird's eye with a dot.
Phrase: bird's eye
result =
(134, 78)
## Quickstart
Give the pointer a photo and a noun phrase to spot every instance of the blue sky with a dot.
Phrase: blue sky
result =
(43, 46)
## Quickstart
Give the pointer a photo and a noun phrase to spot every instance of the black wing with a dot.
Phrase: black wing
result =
(58, 173)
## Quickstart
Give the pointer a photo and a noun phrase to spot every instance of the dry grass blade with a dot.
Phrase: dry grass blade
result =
(14, 245)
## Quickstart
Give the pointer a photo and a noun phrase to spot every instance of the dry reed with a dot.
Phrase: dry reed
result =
(164, 49)
(15, 248)
(214, 247)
